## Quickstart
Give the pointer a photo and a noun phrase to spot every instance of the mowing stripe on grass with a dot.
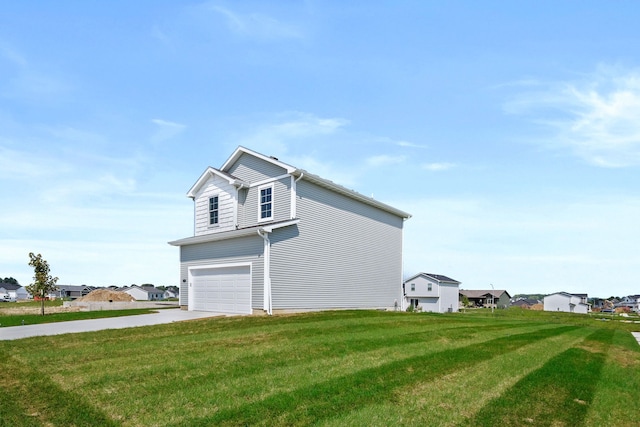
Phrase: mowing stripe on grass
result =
(450, 399)
(324, 400)
(46, 402)
(559, 393)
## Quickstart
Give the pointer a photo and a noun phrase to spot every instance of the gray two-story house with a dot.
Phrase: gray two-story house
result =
(269, 237)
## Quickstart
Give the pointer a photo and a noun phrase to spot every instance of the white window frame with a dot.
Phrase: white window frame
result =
(272, 202)
(209, 210)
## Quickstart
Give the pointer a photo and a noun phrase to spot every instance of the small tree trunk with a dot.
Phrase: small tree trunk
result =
(42, 305)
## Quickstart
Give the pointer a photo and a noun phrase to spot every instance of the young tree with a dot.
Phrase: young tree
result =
(43, 283)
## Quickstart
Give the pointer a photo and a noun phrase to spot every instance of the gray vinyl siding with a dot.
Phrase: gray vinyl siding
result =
(243, 249)
(253, 169)
(249, 203)
(342, 254)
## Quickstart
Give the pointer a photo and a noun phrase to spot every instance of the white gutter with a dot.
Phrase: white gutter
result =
(267, 271)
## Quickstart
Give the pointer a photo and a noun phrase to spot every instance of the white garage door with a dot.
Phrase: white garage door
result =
(222, 289)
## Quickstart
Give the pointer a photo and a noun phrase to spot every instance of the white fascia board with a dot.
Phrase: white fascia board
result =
(209, 172)
(213, 237)
(242, 150)
(413, 277)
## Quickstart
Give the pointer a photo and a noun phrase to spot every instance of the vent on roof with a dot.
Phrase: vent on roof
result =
(273, 157)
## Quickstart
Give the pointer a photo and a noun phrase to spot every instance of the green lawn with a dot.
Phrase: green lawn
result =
(33, 319)
(331, 369)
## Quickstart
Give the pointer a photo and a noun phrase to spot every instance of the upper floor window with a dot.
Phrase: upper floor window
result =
(429, 287)
(266, 203)
(213, 210)
(413, 286)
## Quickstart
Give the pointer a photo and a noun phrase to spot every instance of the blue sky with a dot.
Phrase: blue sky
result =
(509, 130)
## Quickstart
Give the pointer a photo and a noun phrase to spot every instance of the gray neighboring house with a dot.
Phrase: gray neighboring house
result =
(432, 293)
(497, 298)
(269, 237)
(71, 291)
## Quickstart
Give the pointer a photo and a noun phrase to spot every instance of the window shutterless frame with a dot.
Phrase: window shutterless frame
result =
(214, 213)
(265, 202)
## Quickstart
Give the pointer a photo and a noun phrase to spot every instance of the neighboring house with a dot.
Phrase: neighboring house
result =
(564, 301)
(15, 292)
(497, 298)
(632, 302)
(271, 237)
(71, 291)
(144, 293)
(171, 292)
(431, 292)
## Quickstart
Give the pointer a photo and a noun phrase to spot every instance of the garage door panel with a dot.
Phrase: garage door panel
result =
(225, 289)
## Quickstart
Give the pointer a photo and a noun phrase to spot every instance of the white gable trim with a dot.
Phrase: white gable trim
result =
(208, 173)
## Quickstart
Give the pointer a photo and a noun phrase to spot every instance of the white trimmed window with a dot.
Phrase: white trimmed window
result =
(213, 210)
(413, 287)
(266, 203)
(429, 287)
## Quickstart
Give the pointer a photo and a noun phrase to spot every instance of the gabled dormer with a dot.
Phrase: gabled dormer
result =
(215, 198)
(249, 189)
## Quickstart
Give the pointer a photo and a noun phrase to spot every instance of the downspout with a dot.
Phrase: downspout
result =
(267, 271)
(294, 195)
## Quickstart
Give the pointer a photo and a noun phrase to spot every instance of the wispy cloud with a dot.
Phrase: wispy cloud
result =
(27, 81)
(595, 118)
(399, 143)
(438, 167)
(409, 144)
(255, 25)
(166, 130)
(18, 165)
(279, 133)
(384, 160)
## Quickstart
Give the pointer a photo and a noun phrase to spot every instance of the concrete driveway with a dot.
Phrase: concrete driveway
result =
(162, 316)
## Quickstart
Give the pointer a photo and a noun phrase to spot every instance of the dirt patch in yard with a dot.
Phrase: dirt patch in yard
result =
(106, 295)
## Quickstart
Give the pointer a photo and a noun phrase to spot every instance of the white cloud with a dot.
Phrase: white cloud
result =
(166, 130)
(16, 164)
(344, 176)
(27, 81)
(275, 137)
(595, 118)
(257, 25)
(384, 160)
(409, 144)
(437, 167)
